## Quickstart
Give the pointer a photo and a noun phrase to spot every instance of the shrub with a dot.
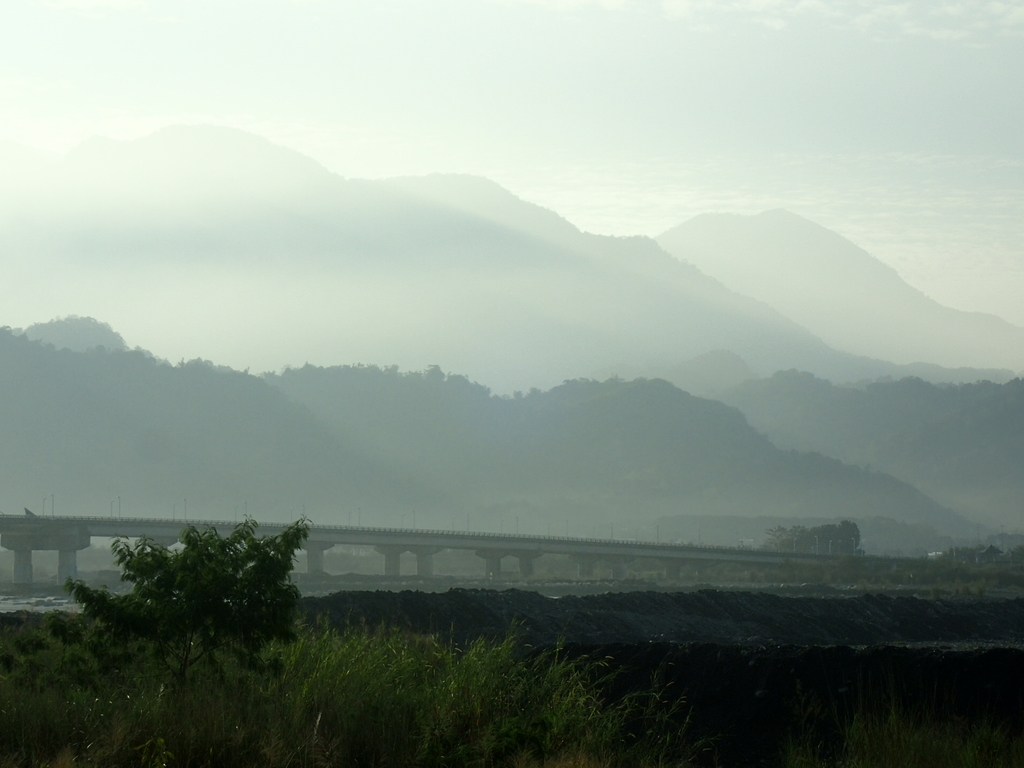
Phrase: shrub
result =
(216, 593)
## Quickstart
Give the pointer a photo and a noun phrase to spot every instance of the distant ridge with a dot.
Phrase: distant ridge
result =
(254, 255)
(79, 334)
(327, 442)
(840, 292)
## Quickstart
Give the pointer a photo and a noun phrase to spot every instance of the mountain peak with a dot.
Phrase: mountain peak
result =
(839, 291)
(78, 334)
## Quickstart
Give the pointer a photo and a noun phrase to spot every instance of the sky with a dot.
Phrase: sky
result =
(898, 124)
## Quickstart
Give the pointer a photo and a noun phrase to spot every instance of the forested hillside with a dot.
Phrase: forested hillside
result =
(962, 444)
(88, 427)
(377, 446)
(606, 447)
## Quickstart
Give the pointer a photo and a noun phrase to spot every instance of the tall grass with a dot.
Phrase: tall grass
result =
(357, 698)
(899, 738)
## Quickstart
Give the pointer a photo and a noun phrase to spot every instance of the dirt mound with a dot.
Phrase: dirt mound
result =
(704, 616)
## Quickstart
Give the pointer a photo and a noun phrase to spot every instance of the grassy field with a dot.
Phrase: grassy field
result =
(894, 737)
(361, 698)
(364, 697)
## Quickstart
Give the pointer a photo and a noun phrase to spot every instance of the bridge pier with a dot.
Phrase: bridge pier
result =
(425, 560)
(526, 561)
(23, 566)
(585, 566)
(315, 555)
(492, 562)
(67, 565)
(673, 570)
(392, 559)
(618, 568)
(65, 540)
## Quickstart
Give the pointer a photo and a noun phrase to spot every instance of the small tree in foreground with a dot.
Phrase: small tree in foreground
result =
(214, 594)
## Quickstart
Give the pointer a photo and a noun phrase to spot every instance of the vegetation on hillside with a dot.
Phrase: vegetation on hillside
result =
(642, 444)
(325, 442)
(962, 444)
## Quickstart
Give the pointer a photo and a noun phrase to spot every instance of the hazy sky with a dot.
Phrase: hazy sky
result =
(899, 124)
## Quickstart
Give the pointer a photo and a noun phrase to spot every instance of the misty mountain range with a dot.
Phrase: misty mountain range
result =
(373, 445)
(218, 242)
(961, 444)
(840, 292)
(247, 250)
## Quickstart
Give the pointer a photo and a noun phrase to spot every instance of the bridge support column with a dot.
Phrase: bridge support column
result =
(585, 566)
(526, 561)
(492, 563)
(673, 570)
(425, 560)
(65, 538)
(67, 565)
(618, 569)
(315, 555)
(23, 566)
(392, 559)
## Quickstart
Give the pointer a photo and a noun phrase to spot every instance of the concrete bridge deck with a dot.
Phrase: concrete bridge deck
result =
(67, 535)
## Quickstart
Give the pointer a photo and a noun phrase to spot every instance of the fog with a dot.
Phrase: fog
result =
(897, 125)
(519, 194)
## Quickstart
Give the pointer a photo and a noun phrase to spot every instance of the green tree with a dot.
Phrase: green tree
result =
(214, 594)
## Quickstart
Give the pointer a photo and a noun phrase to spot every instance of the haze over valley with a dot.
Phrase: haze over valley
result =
(416, 334)
(601, 267)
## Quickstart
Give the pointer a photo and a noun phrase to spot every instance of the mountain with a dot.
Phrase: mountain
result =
(79, 334)
(840, 292)
(89, 427)
(94, 426)
(619, 451)
(962, 444)
(219, 243)
(705, 375)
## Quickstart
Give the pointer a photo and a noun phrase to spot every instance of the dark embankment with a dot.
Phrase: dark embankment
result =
(748, 702)
(751, 671)
(710, 616)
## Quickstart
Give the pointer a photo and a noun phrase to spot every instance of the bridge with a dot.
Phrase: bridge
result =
(68, 535)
